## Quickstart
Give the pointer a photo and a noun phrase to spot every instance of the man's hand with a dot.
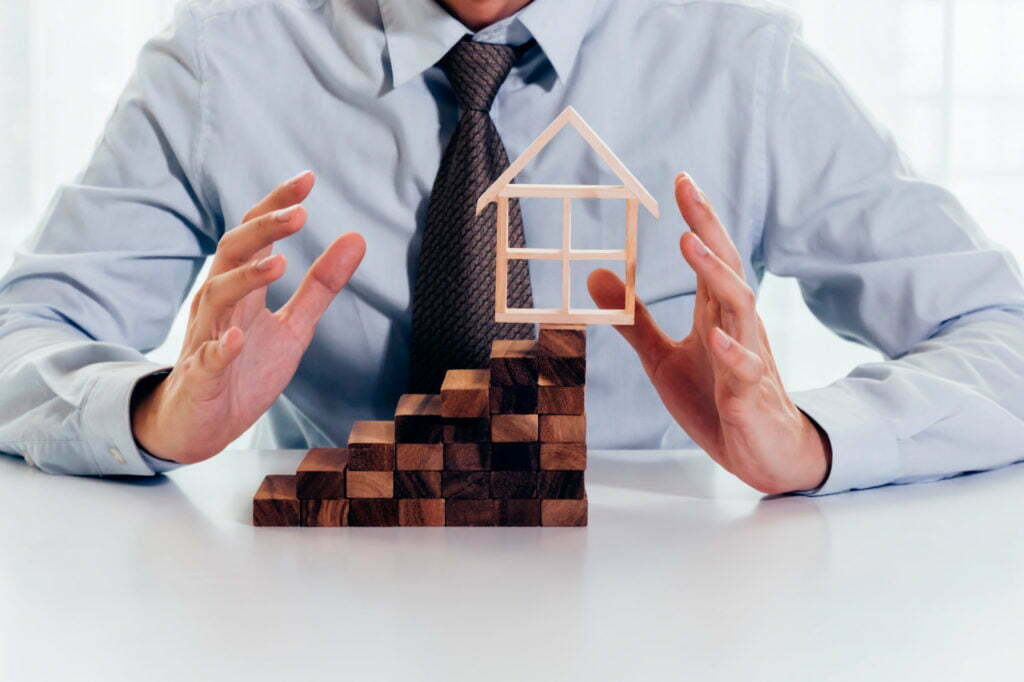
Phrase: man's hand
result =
(238, 355)
(720, 382)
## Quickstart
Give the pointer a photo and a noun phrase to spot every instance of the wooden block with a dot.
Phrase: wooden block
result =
(562, 340)
(515, 456)
(514, 428)
(371, 446)
(513, 484)
(563, 428)
(466, 485)
(275, 503)
(467, 456)
(474, 430)
(470, 512)
(366, 512)
(513, 400)
(563, 456)
(562, 371)
(323, 513)
(370, 484)
(418, 419)
(563, 512)
(560, 485)
(416, 484)
(465, 393)
(420, 456)
(514, 363)
(518, 513)
(421, 512)
(559, 399)
(321, 474)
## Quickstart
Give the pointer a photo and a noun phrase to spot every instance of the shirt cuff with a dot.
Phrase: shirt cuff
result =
(106, 418)
(864, 448)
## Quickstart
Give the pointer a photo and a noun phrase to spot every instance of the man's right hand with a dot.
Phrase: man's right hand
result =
(238, 356)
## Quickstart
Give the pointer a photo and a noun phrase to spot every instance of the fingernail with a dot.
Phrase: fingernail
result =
(298, 178)
(681, 177)
(697, 195)
(264, 264)
(702, 250)
(284, 215)
(722, 339)
(224, 338)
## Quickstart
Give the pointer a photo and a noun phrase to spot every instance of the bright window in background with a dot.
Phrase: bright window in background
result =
(947, 76)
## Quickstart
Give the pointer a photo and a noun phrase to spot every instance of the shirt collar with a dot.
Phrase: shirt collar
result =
(420, 32)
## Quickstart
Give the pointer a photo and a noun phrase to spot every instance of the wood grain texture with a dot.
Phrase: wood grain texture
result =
(513, 484)
(518, 513)
(514, 428)
(470, 512)
(321, 474)
(418, 418)
(513, 400)
(275, 503)
(562, 371)
(467, 456)
(365, 512)
(562, 340)
(515, 456)
(563, 456)
(473, 430)
(417, 484)
(563, 512)
(421, 512)
(371, 446)
(323, 513)
(514, 363)
(466, 485)
(563, 428)
(560, 485)
(466, 393)
(370, 484)
(419, 456)
(559, 399)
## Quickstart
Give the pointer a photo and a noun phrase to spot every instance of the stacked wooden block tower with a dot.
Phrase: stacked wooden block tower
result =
(504, 446)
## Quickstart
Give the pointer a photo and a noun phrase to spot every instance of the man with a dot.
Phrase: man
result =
(405, 122)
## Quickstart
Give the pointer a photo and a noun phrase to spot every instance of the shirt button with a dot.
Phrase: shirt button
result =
(116, 454)
(28, 460)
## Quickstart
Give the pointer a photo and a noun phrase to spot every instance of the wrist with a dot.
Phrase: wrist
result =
(144, 415)
(816, 455)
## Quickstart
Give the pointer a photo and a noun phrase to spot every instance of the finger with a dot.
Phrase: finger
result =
(221, 293)
(253, 239)
(287, 194)
(701, 218)
(724, 285)
(743, 369)
(646, 337)
(216, 355)
(328, 275)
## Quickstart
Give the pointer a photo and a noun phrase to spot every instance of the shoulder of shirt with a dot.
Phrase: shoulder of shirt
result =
(207, 9)
(759, 12)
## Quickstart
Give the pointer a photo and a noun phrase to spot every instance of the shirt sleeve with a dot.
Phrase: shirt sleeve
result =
(891, 261)
(100, 281)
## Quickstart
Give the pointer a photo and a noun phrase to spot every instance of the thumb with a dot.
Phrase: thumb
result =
(646, 337)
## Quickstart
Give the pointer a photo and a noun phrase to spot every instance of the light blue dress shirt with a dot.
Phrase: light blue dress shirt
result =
(238, 95)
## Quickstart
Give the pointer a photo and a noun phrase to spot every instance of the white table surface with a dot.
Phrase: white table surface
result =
(684, 573)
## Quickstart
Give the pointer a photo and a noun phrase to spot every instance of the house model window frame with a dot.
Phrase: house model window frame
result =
(503, 189)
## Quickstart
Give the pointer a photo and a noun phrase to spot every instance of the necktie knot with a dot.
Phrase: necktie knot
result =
(476, 72)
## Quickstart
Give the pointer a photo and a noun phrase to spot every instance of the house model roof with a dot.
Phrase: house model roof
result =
(569, 116)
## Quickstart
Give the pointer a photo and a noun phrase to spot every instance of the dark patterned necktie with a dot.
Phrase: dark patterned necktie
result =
(453, 301)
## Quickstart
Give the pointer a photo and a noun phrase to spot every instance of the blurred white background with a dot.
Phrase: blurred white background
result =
(946, 75)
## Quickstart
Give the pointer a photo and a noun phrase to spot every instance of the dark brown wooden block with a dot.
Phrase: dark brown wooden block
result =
(466, 485)
(421, 512)
(560, 485)
(475, 430)
(513, 400)
(562, 371)
(514, 428)
(518, 513)
(515, 456)
(324, 513)
(467, 456)
(370, 484)
(321, 474)
(470, 512)
(513, 484)
(373, 512)
(275, 503)
(420, 456)
(563, 456)
(562, 340)
(514, 363)
(371, 446)
(563, 512)
(559, 399)
(563, 428)
(418, 419)
(465, 393)
(416, 484)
